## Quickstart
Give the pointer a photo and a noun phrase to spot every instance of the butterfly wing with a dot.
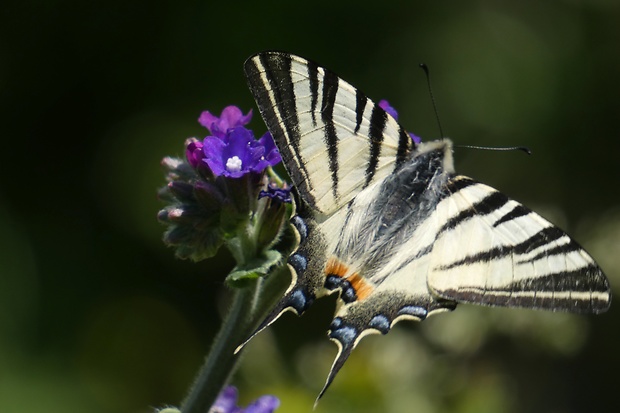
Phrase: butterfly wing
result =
(492, 250)
(334, 141)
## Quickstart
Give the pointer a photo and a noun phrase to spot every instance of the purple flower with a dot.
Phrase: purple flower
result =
(237, 153)
(231, 117)
(227, 403)
(231, 149)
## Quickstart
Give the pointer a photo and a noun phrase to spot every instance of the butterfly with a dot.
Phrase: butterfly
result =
(388, 225)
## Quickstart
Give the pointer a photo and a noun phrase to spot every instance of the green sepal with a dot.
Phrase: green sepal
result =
(256, 267)
(288, 239)
(205, 247)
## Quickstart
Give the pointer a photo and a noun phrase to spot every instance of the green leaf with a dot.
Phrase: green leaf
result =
(256, 267)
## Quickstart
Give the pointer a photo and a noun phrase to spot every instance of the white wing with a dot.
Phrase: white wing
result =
(334, 141)
(492, 250)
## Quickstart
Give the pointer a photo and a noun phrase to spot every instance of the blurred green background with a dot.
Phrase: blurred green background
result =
(96, 315)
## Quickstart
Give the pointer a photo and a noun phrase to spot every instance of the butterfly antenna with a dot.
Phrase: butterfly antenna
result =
(430, 92)
(496, 148)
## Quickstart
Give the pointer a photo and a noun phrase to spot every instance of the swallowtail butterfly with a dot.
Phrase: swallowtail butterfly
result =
(388, 224)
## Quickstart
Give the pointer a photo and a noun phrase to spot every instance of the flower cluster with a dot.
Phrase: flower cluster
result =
(231, 149)
(213, 195)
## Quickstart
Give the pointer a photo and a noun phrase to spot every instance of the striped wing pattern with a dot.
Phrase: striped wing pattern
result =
(388, 226)
(492, 250)
(334, 141)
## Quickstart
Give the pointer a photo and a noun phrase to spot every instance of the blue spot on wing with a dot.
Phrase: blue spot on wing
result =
(299, 262)
(300, 301)
(299, 224)
(345, 334)
(381, 323)
(413, 310)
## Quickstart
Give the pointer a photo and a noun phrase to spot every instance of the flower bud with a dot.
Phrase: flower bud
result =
(208, 195)
(182, 191)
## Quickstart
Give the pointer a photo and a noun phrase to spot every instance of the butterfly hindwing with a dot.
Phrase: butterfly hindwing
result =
(492, 250)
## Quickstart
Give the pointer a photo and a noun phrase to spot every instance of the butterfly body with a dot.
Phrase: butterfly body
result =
(387, 224)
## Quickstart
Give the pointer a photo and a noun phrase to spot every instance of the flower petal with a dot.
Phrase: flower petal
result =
(207, 120)
(264, 404)
(385, 105)
(277, 194)
(213, 150)
(233, 117)
(226, 401)
(272, 154)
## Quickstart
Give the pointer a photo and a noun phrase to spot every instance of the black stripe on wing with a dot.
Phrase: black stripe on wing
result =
(585, 290)
(330, 89)
(452, 187)
(487, 205)
(562, 249)
(360, 106)
(313, 76)
(378, 119)
(516, 212)
(277, 71)
(271, 77)
(541, 238)
(405, 144)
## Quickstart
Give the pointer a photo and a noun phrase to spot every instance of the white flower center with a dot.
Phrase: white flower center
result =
(233, 164)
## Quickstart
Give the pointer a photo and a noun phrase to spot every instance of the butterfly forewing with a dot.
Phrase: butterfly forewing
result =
(334, 141)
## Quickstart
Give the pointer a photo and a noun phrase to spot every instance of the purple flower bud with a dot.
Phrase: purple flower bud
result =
(177, 169)
(183, 191)
(209, 195)
(193, 152)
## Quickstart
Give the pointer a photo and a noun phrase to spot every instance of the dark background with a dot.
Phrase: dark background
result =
(96, 315)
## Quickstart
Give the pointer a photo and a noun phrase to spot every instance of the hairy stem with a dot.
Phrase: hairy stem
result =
(249, 307)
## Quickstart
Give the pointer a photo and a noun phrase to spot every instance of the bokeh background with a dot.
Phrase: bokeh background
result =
(96, 315)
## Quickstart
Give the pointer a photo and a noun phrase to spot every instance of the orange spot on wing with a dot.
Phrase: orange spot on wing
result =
(362, 288)
(338, 268)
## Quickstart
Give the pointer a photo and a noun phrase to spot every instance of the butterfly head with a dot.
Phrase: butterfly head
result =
(440, 148)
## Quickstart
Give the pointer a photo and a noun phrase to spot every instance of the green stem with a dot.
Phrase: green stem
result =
(249, 307)
(221, 361)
